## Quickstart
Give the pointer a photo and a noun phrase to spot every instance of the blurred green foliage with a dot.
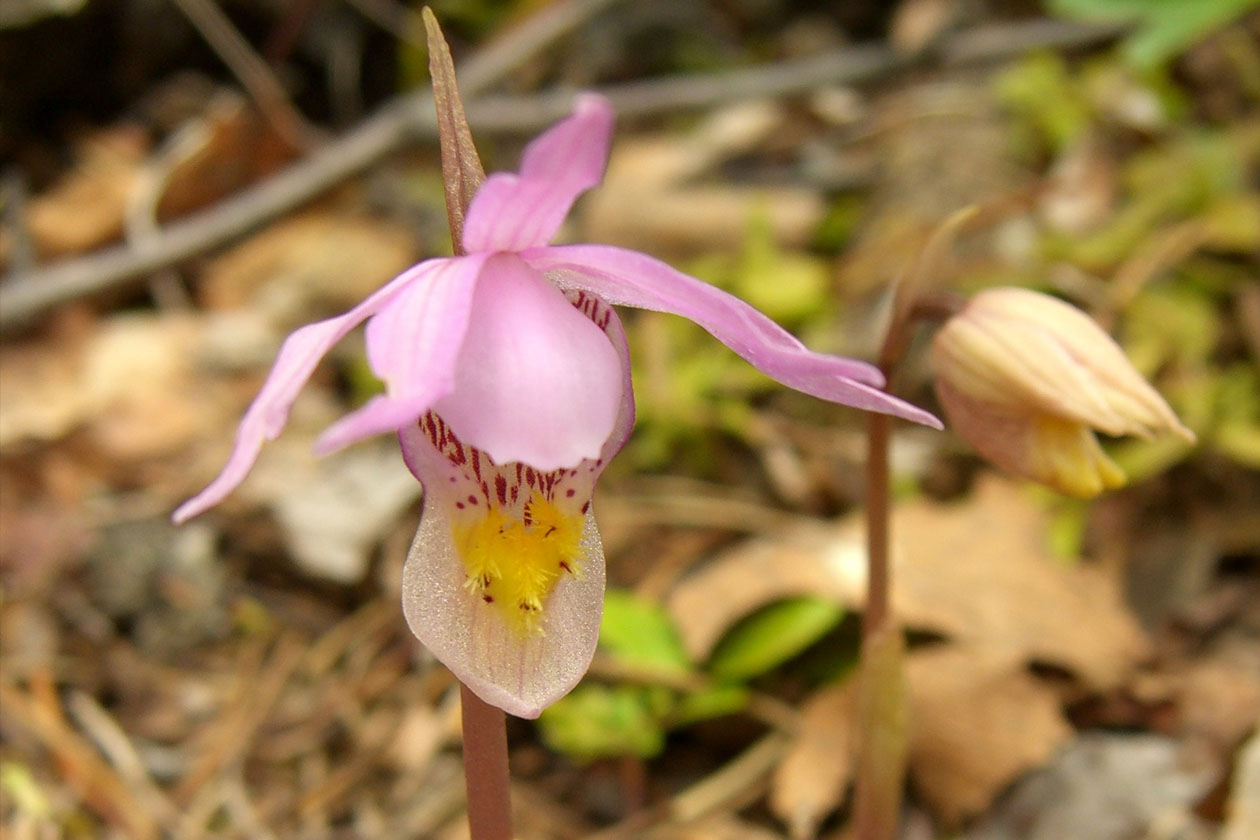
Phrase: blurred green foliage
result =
(687, 386)
(1162, 28)
(772, 636)
(661, 689)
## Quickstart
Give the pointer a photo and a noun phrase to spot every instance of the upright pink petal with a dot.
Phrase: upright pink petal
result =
(294, 365)
(536, 380)
(633, 279)
(413, 344)
(515, 211)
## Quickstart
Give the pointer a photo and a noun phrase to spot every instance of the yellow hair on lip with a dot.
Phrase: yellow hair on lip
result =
(513, 563)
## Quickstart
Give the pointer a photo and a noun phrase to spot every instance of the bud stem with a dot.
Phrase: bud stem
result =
(883, 707)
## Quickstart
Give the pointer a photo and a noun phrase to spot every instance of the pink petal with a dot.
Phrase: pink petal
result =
(413, 344)
(536, 381)
(295, 363)
(633, 279)
(521, 674)
(511, 212)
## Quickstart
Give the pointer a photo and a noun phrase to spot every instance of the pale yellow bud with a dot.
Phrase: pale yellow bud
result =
(1025, 378)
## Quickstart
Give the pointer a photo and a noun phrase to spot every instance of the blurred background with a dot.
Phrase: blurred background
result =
(185, 182)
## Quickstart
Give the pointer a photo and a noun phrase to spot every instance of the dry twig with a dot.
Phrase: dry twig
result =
(28, 295)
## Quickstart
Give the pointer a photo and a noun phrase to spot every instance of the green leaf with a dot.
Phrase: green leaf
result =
(640, 632)
(1170, 325)
(708, 703)
(772, 636)
(1043, 93)
(1165, 28)
(596, 721)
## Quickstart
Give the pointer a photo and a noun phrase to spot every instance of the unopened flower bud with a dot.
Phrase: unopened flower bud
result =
(1025, 379)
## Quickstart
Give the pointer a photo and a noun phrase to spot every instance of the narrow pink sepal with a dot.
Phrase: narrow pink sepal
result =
(413, 344)
(629, 278)
(269, 412)
(515, 211)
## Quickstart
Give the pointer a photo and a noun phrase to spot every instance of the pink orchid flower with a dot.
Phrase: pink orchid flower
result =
(508, 382)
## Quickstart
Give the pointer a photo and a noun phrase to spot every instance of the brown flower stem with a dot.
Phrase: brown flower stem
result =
(485, 768)
(878, 431)
(883, 695)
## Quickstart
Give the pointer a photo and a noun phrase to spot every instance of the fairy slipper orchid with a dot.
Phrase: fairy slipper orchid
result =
(508, 382)
(1025, 379)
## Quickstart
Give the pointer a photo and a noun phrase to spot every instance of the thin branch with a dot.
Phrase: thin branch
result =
(27, 295)
(248, 67)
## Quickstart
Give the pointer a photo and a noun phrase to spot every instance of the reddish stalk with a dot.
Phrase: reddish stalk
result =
(485, 768)
(883, 713)
(883, 695)
(878, 432)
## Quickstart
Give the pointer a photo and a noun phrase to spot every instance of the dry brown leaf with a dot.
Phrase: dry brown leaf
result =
(978, 720)
(1243, 822)
(41, 399)
(979, 571)
(85, 209)
(1220, 702)
(229, 147)
(306, 266)
(811, 780)
(143, 395)
(808, 560)
(916, 23)
(131, 382)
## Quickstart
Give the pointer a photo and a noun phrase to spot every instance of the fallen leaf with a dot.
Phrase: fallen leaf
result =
(982, 571)
(1082, 189)
(130, 381)
(978, 720)
(228, 147)
(86, 208)
(1243, 822)
(811, 780)
(917, 23)
(807, 560)
(979, 571)
(41, 399)
(1220, 702)
(143, 398)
